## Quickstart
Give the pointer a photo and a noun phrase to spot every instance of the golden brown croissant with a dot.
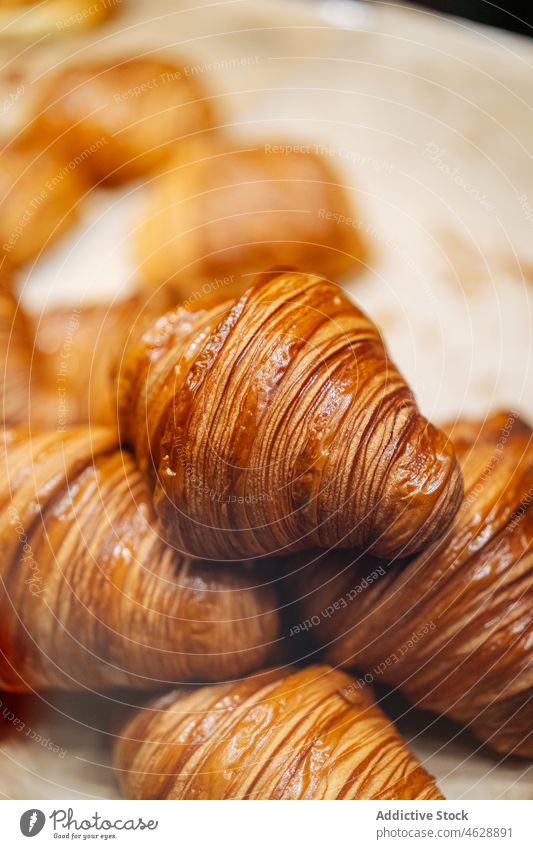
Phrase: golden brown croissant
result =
(226, 211)
(39, 198)
(278, 422)
(303, 734)
(120, 119)
(453, 627)
(90, 596)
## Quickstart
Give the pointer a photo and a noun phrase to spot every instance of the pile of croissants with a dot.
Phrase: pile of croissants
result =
(221, 491)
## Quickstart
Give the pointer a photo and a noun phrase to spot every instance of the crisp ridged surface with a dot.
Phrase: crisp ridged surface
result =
(453, 627)
(224, 211)
(301, 734)
(278, 422)
(123, 117)
(91, 596)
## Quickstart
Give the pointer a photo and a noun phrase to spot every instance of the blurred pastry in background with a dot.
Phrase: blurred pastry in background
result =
(227, 210)
(121, 119)
(16, 355)
(39, 195)
(81, 349)
(27, 19)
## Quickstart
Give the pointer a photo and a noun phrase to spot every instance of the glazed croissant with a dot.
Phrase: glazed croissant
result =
(90, 596)
(452, 627)
(302, 734)
(119, 119)
(226, 210)
(278, 422)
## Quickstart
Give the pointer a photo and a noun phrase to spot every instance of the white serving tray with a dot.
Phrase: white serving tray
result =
(431, 123)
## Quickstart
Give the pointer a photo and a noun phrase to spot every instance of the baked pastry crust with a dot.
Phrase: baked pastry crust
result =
(452, 627)
(92, 597)
(293, 734)
(277, 422)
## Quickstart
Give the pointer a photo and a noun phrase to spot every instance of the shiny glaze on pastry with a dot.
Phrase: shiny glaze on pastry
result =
(292, 734)
(452, 628)
(277, 422)
(91, 596)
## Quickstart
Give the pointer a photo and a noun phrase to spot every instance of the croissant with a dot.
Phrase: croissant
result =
(452, 627)
(121, 119)
(81, 349)
(91, 597)
(224, 211)
(278, 422)
(39, 194)
(301, 734)
(58, 367)
(16, 344)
